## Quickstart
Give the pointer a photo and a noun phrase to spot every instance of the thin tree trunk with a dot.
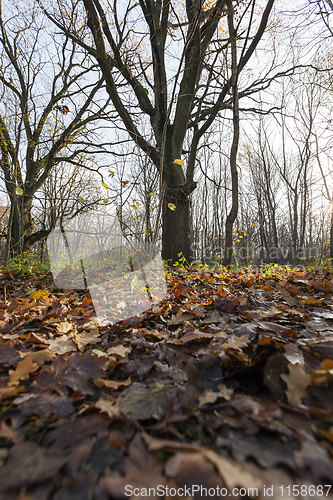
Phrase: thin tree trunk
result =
(234, 147)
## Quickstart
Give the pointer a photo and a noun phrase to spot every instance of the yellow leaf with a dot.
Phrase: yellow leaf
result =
(105, 201)
(134, 206)
(80, 199)
(179, 162)
(105, 185)
(152, 194)
(111, 173)
(172, 206)
(39, 295)
(19, 191)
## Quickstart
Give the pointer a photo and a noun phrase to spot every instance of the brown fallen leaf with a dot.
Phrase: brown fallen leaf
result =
(211, 397)
(144, 403)
(232, 473)
(63, 327)
(82, 339)
(113, 384)
(111, 407)
(236, 342)
(23, 370)
(119, 350)
(8, 392)
(297, 382)
(194, 336)
(39, 357)
(62, 345)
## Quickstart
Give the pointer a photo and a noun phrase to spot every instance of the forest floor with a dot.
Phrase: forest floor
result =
(226, 384)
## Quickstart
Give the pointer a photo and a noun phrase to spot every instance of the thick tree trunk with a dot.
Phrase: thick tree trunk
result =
(21, 224)
(176, 232)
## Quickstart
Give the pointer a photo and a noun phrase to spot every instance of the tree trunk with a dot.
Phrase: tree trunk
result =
(235, 141)
(21, 224)
(176, 232)
(331, 238)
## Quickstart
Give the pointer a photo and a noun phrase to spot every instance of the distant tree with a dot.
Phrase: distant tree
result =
(49, 92)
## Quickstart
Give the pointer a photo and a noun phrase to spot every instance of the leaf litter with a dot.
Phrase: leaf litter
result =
(228, 381)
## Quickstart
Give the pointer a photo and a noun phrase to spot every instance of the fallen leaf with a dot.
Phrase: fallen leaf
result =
(39, 295)
(144, 403)
(23, 370)
(297, 382)
(232, 473)
(62, 345)
(63, 327)
(82, 339)
(236, 342)
(111, 407)
(39, 357)
(113, 384)
(211, 397)
(119, 350)
(73, 372)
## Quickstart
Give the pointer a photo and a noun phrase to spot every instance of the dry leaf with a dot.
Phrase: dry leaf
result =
(23, 369)
(109, 407)
(210, 396)
(237, 342)
(39, 357)
(232, 473)
(82, 339)
(144, 403)
(119, 350)
(297, 382)
(113, 384)
(63, 327)
(62, 345)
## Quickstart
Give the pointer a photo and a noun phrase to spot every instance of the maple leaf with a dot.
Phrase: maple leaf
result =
(297, 382)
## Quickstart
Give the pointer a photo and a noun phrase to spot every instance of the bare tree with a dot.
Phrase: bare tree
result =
(49, 100)
(136, 46)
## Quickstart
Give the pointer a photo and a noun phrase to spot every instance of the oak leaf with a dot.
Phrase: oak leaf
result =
(297, 382)
(23, 370)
